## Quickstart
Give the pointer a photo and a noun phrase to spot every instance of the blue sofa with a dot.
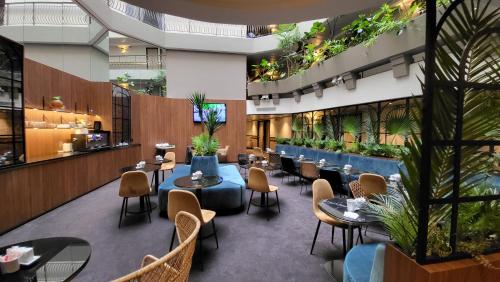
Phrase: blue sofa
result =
(384, 167)
(226, 196)
(365, 263)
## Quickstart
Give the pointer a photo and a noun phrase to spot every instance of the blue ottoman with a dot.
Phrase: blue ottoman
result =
(225, 197)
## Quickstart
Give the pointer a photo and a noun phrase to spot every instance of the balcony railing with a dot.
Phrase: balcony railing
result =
(44, 14)
(170, 23)
(137, 62)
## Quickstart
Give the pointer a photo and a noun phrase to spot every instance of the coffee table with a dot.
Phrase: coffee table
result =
(198, 185)
(61, 259)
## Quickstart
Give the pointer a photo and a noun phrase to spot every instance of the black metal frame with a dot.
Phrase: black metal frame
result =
(17, 50)
(125, 126)
(428, 142)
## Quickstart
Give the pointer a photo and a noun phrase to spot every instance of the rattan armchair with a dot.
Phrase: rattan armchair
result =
(175, 265)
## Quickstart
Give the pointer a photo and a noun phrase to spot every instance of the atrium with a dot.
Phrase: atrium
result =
(286, 140)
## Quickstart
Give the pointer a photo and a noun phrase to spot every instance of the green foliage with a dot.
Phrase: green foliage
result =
(399, 122)
(333, 47)
(266, 70)
(316, 28)
(212, 124)
(125, 78)
(318, 129)
(281, 140)
(383, 150)
(197, 99)
(297, 141)
(352, 125)
(334, 145)
(308, 142)
(297, 125)
(204, 145)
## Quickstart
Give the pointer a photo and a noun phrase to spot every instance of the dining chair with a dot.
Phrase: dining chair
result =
(356, 190)
(222, 154)
(257, 182)
(175, 265)
(134, 184)
(182, 200)
(274, 162)
(243, 162)
(335, 179)
(322, 190)
(308, 171)
(169, 165)
(372, 184)
(257, 151)
(288, 166)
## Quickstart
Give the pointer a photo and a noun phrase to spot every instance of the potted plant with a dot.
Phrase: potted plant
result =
(197, 99)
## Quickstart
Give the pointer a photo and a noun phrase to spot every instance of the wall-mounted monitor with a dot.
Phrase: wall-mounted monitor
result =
(221, 109)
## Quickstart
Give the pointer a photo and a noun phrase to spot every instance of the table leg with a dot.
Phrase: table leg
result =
(262, 199)
(157, 181)
(349, 237)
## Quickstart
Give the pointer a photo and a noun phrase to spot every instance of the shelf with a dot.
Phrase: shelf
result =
(61, 111)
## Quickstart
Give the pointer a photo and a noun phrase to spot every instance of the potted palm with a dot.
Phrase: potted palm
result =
(205, 145)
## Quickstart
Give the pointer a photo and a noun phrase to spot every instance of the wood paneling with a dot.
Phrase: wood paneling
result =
(78, 95)
(158, 119)
(30, 191)
(398, 267)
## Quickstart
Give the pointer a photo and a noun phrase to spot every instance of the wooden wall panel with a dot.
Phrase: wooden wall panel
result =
(158, 119)
(30, 191)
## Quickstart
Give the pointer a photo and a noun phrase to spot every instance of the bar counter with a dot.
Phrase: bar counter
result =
(31, 189)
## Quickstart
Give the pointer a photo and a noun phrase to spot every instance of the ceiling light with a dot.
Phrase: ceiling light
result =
(123, 48)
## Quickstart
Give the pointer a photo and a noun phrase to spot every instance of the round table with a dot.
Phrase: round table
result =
(61, 259)
(198, 185)
(147, 168)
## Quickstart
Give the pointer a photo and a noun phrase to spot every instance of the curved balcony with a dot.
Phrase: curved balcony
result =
(43, 14)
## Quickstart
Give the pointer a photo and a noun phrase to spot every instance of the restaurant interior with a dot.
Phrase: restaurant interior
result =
(250, 140)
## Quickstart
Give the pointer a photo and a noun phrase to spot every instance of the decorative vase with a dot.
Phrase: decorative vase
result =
(56, 103)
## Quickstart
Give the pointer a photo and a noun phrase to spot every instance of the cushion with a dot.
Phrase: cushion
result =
(358, 263)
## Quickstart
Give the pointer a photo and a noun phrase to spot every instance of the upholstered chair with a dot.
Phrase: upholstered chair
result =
(257, 182)
(169, 165)
(372, 184)
(134, 184)
(175, 265)
(308, 171)
(222, 154)
(182, 200)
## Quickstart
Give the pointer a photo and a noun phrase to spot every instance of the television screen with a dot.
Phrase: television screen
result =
(221, 109)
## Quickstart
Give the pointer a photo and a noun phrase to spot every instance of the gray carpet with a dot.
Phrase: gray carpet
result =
(250, 247)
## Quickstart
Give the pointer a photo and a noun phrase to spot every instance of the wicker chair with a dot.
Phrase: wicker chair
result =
(274, 162)
(175, 265)
(356, 190)
(308, 171)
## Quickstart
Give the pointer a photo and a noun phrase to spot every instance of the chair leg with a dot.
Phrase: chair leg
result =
(250, 201)
(121, 213)
(360, 236)
(333, 233)
(267, 205)
(126, 205)
(172, 240)
(343, 241)
(278, 201)
(201, 249)
(152, 178)
(315, 236)
(148, 207)
(215, 234)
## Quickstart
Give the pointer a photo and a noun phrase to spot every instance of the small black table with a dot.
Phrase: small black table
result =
(62, 258)
(335, 208)
(147, 168)
(198, 185)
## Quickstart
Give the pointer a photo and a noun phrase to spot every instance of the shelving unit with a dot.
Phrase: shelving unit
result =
(11, 103)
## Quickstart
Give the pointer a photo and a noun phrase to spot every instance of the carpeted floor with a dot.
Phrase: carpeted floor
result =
(250, 247)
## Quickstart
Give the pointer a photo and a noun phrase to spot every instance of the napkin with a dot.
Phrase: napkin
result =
(283, 152)
(352, 215)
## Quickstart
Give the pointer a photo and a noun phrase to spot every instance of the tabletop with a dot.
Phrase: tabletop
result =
(204, 182)
(147, 168)
(61, 259)
(337, 206)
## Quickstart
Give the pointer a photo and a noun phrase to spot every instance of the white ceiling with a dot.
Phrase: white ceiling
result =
(256, 12)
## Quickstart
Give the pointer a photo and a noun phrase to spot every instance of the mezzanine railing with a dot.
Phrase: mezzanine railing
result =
(43, 13)
(137, 62)
(170, 23)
